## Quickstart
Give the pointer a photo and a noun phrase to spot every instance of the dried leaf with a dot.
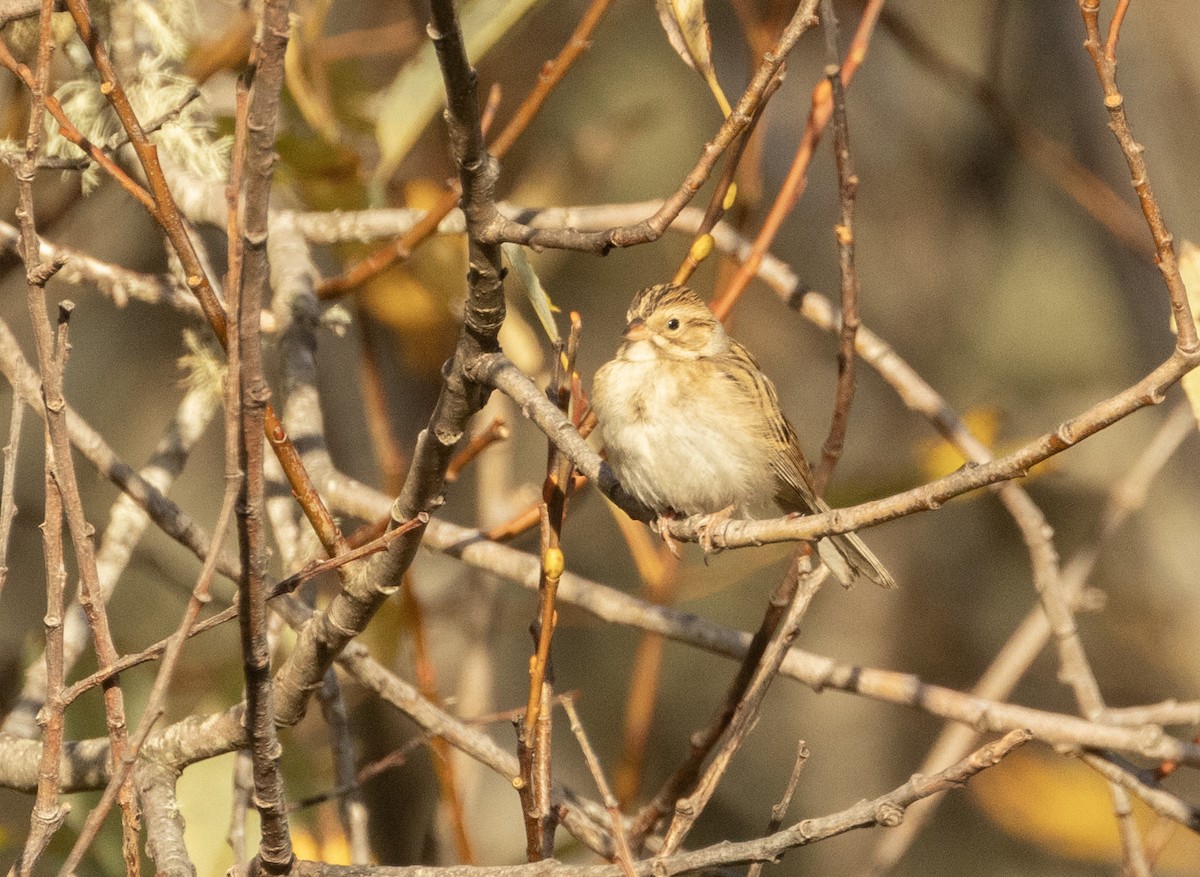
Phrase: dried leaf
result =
(686, 25)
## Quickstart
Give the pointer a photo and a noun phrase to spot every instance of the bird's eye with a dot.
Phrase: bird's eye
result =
(673, 324)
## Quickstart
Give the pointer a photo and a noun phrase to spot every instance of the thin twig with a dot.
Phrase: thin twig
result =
(48, 812)
(443, 765)
(724, 192)
(551, 74)
(620, 841)
(52, 357)
(496, 431)
(796, 180)
(8, 505)
(802, 581)
(885, 811)
(499, 229)
(166, 212)
(1029, 638)
(1106, 70)
(779, 811)
(831, 450)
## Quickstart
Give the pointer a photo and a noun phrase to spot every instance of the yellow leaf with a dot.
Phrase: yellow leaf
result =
(686, 25)
(939, 458)
(1062, 806)
(305, 845)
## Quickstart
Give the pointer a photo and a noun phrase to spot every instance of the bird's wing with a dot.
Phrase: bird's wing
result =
(794, 478)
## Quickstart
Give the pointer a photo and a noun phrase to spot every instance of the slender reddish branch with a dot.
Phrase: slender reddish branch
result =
(551, 74)
(166, 213)
(796, 180)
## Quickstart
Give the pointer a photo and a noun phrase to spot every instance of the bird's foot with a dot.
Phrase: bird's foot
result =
(707, 525)
(661, 526)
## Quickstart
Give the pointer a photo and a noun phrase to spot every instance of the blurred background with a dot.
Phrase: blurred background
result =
(977, 261)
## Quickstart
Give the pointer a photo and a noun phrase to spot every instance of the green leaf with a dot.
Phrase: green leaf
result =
(525, 276)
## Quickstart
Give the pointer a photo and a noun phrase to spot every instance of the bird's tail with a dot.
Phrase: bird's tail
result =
(848, 558)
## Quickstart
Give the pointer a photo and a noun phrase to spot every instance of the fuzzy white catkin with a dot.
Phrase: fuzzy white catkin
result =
(150, 39)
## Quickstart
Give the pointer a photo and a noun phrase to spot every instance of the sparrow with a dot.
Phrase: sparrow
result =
(692, 426)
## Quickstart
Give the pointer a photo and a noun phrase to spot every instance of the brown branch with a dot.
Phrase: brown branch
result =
(166, 213)
(533, 733)
(724, 192)
(120, 284)
(551, 74)
(496, 431)
(799, 587)
(796, 180)
(171, 650)
(1114, 31)
(885, 811)
(265, 78)
(779, 811)
(624, 855)
(8, 504)
(831, 450)
(48, 811)
(443, 766)
(1028, 640)
(1168, 265)
(499, 229)
(52, 357)
(659, 572)
(71, 133)
(352, 808)
(821, 673)
(388, 454)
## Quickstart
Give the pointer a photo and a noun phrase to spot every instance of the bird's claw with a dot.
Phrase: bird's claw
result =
(706, 528)
(661, 527)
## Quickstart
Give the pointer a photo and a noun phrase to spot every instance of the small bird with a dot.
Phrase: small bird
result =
(693, 427)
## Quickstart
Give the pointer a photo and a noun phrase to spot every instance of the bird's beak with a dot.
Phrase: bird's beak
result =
(636, 330)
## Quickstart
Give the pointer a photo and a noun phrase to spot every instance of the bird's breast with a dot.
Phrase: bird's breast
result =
(681, 437)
